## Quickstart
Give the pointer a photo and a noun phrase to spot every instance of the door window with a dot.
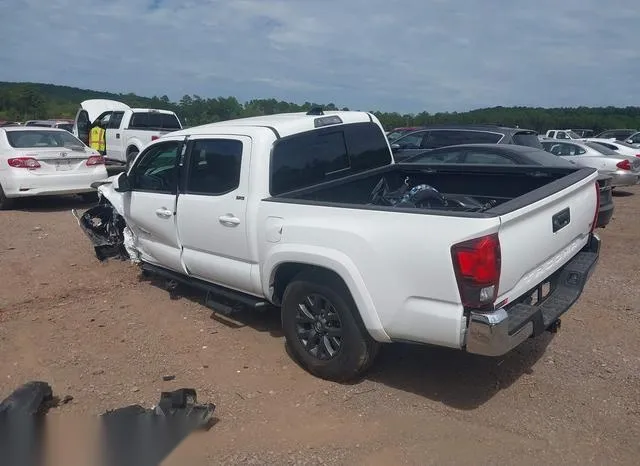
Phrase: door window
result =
(487, 158)
(115, 120)
(411, 141)
(157, 170)
(443, 138)
(214, 166)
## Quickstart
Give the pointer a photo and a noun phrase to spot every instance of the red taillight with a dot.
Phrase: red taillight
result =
(624, 165)
(153, 138)
(24, 162)
(477, 266)
(595, 216)
(637, 155)
(95, 160)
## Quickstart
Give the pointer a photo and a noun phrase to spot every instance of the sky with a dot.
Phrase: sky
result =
(389, 55)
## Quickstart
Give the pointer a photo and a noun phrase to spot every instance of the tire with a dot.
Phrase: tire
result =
(353, 351)
(5, 202)
(130, 157)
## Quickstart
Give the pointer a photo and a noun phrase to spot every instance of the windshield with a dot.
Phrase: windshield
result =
(600, 148)
(43, 138)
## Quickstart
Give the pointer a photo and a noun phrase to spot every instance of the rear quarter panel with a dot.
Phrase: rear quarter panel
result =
(397, 265)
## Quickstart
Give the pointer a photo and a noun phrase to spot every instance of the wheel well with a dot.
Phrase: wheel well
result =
(131, 149)
(285, 273)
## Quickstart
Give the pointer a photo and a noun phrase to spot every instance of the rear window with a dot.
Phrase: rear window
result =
(527, 138)
(154, 120)
(42, 138)
(325, 154)
(600, 148)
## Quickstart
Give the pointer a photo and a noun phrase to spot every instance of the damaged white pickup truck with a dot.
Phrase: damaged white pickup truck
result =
(308, 212)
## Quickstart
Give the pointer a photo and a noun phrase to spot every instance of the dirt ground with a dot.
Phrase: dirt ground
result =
(104, 335)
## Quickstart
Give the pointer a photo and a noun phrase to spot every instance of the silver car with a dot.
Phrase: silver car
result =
(623, 169)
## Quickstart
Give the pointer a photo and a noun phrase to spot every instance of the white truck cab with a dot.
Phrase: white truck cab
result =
(128, 129)
(562, 134)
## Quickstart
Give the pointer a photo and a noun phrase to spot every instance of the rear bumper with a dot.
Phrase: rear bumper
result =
(26, 184)
(623, 178)
(498, 332)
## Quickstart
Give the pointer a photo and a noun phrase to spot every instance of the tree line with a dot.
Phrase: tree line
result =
(25, 101)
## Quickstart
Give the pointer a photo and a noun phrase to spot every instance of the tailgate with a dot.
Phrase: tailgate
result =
(539, 238)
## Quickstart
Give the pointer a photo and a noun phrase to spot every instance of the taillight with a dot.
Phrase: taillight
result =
(595, 216)
(153, 138)
(24, 162)
(477, 267)
(624, 165)
(95, 160)
(637, 155)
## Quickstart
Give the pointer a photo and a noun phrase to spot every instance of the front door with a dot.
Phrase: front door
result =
(113, 137)
(82, 126)
(212, 211)
(150, 206)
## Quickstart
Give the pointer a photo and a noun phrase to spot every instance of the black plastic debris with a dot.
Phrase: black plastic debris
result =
(132, 435)
(104, 227)
(22, 422)
(145, 437)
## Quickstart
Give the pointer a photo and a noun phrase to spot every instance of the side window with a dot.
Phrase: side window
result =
(411, 141)
(561, 135)
(214, 166)
(442, 138)
(157, 170)
(438, 157)
(487, 158)
(576, 150)
(116, 119)
(635, 139)
(104, 119)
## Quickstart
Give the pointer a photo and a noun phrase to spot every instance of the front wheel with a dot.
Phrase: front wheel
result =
(321, 329)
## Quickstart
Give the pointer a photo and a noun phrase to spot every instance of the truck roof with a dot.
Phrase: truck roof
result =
(154, 110)
(284, 124)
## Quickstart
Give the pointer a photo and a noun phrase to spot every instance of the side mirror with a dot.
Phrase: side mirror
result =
(395, 147)
(121, 183)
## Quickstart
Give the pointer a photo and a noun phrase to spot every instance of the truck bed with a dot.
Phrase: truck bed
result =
(478, 191)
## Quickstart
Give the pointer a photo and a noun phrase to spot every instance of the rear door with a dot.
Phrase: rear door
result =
(212, 209)
(541, 236)
(150, 206)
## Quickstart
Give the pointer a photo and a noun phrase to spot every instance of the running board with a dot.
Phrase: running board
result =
(218, 298)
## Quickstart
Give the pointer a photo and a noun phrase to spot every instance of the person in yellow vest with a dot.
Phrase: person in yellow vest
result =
(97, 139)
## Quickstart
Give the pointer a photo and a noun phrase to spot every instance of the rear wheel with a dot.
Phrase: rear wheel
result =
(5, 202)
(322, 331)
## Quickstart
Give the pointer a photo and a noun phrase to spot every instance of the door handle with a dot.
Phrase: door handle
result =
(164, 213)
(117, 135)
(229, 220)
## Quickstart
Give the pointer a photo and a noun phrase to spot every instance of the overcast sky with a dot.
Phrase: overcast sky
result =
(391, 55)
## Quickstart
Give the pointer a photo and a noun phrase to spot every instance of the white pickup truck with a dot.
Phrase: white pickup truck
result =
(562, 134)
(128, 129)
(309, 213)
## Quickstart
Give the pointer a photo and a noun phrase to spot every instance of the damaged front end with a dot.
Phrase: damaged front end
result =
(108, 231)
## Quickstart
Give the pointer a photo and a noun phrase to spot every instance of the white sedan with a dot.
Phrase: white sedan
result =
(38, 161)
(622, 148)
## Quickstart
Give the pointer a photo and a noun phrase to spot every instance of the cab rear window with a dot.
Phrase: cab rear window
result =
(154, 120)
(326, 154)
